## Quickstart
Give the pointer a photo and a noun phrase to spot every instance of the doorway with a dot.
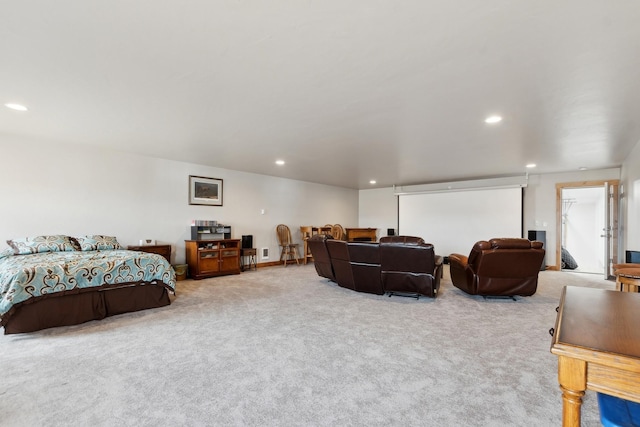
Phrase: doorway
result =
(582, 248)
(587, 226)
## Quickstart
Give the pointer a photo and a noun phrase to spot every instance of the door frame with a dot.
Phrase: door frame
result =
(613, 199)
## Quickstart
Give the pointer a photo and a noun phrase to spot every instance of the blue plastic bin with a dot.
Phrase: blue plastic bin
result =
(616, 412)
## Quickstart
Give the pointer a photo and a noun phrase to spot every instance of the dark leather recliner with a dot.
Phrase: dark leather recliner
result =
(356, 265)
(321, 259)
(339, 255)
(499, 267)
(410, 268)
(364, 259)
(411, 240)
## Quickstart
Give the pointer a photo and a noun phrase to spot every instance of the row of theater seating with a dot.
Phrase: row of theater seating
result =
(397, 265)
(408, 265)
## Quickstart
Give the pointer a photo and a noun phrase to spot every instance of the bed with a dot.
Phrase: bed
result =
(50, 281)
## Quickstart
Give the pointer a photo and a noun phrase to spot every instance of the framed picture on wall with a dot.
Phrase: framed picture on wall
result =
(205, 191)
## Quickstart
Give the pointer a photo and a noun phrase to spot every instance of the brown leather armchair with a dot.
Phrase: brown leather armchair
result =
(499, 267)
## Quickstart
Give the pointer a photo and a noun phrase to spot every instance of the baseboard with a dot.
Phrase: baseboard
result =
(274, 263)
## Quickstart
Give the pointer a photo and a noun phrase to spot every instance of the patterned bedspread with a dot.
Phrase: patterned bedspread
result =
(29, 276)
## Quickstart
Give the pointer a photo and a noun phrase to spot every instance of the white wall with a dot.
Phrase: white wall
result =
(49, 188)
(378, 207)
(57, 188)
(630, 177)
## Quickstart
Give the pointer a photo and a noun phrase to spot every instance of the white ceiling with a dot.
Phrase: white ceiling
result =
(343, 91)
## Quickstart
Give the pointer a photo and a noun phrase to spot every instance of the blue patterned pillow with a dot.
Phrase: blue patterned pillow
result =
(98, 243)
(6, 252)
(39, 244)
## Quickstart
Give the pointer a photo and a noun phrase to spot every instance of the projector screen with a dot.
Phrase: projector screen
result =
(454, 221)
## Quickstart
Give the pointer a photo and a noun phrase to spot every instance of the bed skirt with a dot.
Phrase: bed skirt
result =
(73, 309)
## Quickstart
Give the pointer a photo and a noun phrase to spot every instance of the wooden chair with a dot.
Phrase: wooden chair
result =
(628, 279)
(337, 232)
(306, 231)
(288, 249)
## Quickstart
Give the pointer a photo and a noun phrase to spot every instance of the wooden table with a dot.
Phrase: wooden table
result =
(361, 234)
(597, 341)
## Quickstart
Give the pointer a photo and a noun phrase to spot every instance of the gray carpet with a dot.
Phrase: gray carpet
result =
(284, 347)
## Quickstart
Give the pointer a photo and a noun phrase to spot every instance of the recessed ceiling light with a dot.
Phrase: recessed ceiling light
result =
(373, 181)
(16, 107)
(493, 119)
(531, 165)
(280, 162)
(582, 168)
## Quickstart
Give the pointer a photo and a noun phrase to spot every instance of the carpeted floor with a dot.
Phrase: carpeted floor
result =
(284, 347)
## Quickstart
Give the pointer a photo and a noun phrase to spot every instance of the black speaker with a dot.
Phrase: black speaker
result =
(391, 231)
(247, 241)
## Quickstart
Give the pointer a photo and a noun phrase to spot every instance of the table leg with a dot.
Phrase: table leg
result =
(306, 251)
(571, 407)
(572, 376)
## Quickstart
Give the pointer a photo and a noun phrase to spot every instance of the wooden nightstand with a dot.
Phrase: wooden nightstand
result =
(164, 250)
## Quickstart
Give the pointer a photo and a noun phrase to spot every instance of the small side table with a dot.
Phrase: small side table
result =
(250, 255)
(164, 250)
